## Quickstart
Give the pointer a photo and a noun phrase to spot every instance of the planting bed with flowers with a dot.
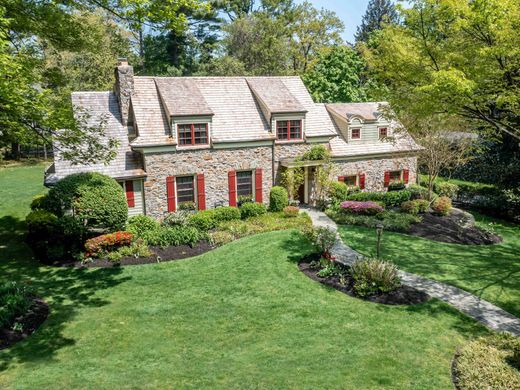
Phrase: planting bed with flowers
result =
(370, 279)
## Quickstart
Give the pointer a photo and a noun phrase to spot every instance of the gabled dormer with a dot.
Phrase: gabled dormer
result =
(189, 115)
(285, 114)
(361, 122)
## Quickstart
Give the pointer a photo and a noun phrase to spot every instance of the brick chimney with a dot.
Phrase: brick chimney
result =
(124, 86)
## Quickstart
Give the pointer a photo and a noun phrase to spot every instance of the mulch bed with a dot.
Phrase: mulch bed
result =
(164, 254)
(30, 321)
(403, 295)
(453, 228)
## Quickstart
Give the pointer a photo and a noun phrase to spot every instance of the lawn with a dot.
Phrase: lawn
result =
(489, 271)
(242, 316)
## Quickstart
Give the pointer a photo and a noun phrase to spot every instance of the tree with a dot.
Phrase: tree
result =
(378, 13)
(261, 43)
(441, 152)
(454, 58)
(312, 30)
(337, 76)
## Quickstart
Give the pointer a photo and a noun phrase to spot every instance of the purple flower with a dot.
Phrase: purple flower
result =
(356, 207)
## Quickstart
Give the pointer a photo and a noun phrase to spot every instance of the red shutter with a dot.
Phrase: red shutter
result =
(361, 181)
(406, 176)
(201, 192)
(341, 178)
(130, 198)
(387, 178)
(170, 193)
(258, 185)
(232, 182)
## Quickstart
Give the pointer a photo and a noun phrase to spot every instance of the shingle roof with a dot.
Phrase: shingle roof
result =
(366, 111)
(182, 97)
(101, 106)
(401, 142)
(273, 92)
(149, 113)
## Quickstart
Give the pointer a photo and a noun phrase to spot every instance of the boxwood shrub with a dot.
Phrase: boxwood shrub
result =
(94, 199)
(248, 210)
(226, 213)
(204, 220)
(138, 225)
(278, 199)
(166, 236)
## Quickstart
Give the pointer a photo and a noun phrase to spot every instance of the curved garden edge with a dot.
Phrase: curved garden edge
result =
(30, 321)
(480, 310)
(403, 295)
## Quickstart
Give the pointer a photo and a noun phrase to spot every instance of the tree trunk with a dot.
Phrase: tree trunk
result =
(15, 150)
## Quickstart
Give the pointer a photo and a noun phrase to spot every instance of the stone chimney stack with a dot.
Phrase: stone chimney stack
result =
(124, 86)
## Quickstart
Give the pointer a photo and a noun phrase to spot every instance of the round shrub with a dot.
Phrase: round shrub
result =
(423, 205)
(442, 205)
(417, 192)
(226, 213)
(374, 276)
(39, 202)
(291, 211)
(278, 198)
(410, 207)
(248, 210)
(488, 363)
(443, 188)
(93, 198)
(140, 224)
(338, 191)
(204, 220)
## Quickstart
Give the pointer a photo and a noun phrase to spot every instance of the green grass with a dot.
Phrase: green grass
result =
(489, 271)
(242, 316)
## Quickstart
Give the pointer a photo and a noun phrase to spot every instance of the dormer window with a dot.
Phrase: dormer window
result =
(192, 134)
(289, 130)
(355, 133)
(383, 132)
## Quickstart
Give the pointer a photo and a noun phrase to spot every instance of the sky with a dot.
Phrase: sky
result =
(349, 11)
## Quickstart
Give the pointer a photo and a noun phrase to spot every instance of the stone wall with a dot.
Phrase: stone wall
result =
(374, 170)
(215, 164)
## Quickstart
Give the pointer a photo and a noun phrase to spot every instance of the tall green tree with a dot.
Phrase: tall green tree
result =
(311, 30)
(378, 13)
(454, 58)
(338, 76)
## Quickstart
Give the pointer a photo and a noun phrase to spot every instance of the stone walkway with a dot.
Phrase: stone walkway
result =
(479, 309)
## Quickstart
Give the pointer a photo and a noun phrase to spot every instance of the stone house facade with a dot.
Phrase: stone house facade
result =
(212, 140)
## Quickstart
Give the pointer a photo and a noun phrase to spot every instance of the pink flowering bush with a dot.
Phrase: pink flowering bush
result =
(364, 208)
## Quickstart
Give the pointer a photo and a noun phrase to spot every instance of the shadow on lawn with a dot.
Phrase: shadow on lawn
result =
(66, 290)
(479, 269)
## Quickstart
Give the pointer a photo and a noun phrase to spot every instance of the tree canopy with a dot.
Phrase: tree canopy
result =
(378, 14)
(454, 58)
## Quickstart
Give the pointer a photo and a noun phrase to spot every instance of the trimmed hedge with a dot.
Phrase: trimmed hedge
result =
(166, 236)
(389, 199)
(94, 199)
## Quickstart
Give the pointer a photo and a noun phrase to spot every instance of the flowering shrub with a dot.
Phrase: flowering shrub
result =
(291, 211)
(442, 205)
(105, 243)
(366, 208)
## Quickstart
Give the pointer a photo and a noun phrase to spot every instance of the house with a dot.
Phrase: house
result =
(211, 140)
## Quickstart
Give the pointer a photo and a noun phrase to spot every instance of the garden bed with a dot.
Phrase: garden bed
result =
(454, 228)
(403, 295)
(169, 253)
(30, 322)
